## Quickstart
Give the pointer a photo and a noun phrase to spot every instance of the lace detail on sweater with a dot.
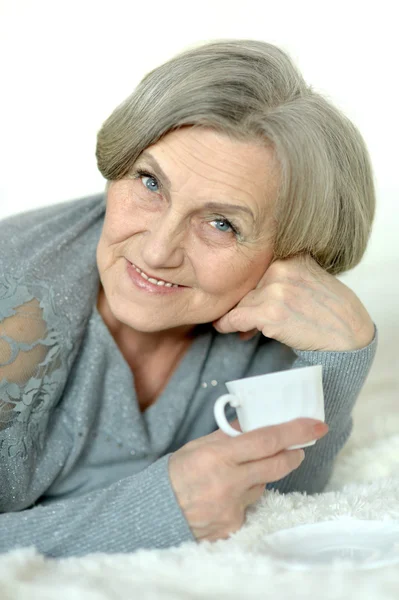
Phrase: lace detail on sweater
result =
(33, 340)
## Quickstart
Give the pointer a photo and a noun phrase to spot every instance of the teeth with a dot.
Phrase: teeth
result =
(155, 281)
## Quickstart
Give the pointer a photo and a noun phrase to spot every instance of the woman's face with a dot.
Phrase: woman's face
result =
(185, 231)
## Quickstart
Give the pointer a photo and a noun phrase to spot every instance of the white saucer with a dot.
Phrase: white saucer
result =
(352, 543)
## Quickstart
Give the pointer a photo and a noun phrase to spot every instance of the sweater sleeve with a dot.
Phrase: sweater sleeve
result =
(32, 377)
(139, 511)
(48, 284)
(344, 375)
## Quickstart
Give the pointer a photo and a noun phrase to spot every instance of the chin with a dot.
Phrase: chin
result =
(148, 325)
(144, 318)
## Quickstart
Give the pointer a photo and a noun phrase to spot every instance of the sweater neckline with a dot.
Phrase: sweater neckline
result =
(185, 378)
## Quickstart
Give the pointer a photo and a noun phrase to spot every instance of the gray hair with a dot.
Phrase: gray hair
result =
(252, 92)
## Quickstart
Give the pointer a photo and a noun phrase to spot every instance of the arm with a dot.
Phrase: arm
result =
(32, 377)
(344, 374)
(303, 307)
(140, 511)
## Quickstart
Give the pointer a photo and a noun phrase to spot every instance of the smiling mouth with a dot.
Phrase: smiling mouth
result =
(154, 280)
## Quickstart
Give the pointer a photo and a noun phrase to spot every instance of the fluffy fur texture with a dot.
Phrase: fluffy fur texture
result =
(365, 485)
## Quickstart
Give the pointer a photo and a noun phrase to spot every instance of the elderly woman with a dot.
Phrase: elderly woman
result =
(235, 194)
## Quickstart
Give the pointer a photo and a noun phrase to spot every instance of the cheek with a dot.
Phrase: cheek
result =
(228, 275)
(121, 221)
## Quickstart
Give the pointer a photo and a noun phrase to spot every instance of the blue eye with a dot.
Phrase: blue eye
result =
(139, 174)
(225, 226)
(151, 188)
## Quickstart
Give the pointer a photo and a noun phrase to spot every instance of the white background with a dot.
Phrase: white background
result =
(64, 67)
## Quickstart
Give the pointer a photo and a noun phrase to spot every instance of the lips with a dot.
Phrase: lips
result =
(152, 277)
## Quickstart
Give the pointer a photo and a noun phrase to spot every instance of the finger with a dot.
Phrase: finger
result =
(248, 335)
(235, 425)
(219, 434)
(273, 468)
(268, 441)
(253, 494)
(238, 319)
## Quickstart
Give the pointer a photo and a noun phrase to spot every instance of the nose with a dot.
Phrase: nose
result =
(163, 242)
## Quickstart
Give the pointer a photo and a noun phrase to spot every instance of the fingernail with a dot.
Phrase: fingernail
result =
(320, 429)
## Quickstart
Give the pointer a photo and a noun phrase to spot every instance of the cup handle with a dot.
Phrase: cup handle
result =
(220, 416)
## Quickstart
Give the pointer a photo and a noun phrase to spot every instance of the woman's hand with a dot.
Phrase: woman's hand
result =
(216, 477)
(301, 305)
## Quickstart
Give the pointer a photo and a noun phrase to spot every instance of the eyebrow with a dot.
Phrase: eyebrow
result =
(157, 167)
(159, 172)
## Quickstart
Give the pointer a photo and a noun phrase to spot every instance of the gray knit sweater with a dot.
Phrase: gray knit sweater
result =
(81, 468)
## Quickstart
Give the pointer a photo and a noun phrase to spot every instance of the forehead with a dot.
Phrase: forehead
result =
(244, 171)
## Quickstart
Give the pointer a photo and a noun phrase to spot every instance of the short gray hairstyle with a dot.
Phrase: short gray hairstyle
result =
(251, 91)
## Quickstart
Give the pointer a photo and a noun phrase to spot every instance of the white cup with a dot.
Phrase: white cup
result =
(272, 399)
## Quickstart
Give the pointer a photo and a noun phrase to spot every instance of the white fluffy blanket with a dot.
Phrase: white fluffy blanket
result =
(365, 485)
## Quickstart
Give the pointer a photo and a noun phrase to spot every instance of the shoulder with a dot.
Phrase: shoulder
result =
(48, 255)
(33, 227)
